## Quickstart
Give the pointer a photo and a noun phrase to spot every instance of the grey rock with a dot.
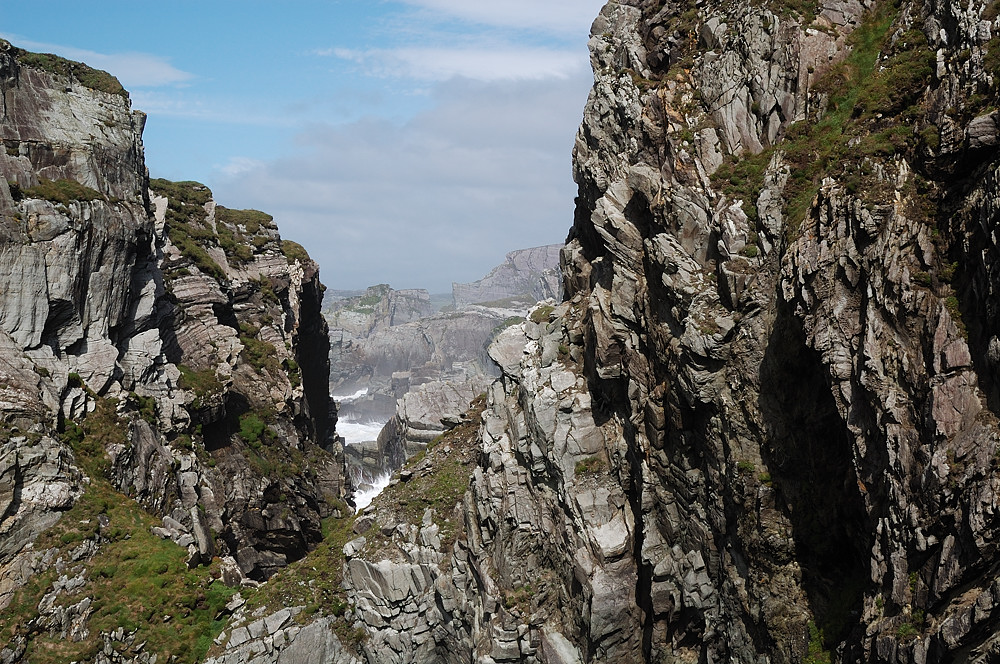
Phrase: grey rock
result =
(983, 131)
(530, 273)
(354, 547)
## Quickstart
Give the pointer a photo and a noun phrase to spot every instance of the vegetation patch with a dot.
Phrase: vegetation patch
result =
(871, 111)
(541, 314)
(261, 355)
(293, 371)
(59, 191)
(590, 465)
(205, 383)
(144, 406)
(951, 303)
(135, 581)
(294, 251)
(236, 232)
(252, 428)
(251, 220)
(817, 653)
(240, 232)
(185, 220)
(95, 79)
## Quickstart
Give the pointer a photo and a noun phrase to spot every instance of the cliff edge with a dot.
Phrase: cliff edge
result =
(762, 425)
(163, 385)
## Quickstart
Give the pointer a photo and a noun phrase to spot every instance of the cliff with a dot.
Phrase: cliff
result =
(530, 274)
(164, 416)
(762, 425)
(398, 362)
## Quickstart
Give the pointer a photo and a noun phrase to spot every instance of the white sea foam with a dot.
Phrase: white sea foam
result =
(359, 432)
(363, 392)
(363, 499)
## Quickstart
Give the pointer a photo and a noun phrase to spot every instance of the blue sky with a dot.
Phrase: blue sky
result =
(412, 142)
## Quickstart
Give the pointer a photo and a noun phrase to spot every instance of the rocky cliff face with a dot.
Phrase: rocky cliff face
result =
(784, 444)
(396, 361)
(163, 358)
(762, 426)
(527, 273)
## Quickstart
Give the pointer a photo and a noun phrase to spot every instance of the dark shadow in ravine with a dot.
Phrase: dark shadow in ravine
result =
(810, 452)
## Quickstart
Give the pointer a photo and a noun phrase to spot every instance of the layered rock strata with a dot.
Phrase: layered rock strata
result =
(526, 273)
(186, 340)
(762, 425)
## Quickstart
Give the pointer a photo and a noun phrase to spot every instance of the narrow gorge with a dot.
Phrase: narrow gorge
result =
(760, 424)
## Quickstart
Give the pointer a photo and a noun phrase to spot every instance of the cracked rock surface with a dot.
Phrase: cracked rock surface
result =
(762, 425)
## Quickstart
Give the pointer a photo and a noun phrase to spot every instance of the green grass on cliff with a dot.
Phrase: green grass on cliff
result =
(136, 581)
(871, 112)
(185, 220)
(260, 354)
(57, 191)
(251, 220)
(205, 384)
(95, 79)
(294, 251)
(439, 481)
(239, 233)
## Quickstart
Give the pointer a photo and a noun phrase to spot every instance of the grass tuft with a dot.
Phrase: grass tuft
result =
(95, 79)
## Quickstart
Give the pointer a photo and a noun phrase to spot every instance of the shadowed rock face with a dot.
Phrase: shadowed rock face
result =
(167, 304)
(762, 425)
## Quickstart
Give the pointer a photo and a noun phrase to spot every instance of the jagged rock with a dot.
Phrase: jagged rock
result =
(418, 419)
(279, 642)
(761, 410)
(353, 547)
(529, 273)
(102, 314)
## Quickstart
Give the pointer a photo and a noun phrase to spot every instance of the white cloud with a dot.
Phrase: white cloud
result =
(441, 198)
(439, 64)
(556, 16)
(134, 70)
(175, 104)
(237, 166)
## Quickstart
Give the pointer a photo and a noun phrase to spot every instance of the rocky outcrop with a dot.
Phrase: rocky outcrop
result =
(761, 426)
(389, 332)
(396, 365)
(532, 274)
(422, 415)
(277, 639)
(396, 362)
(154, 344)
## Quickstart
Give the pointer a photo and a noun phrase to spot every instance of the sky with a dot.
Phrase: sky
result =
(412, 142)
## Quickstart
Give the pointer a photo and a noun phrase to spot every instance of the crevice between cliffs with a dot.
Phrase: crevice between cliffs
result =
(811, 461)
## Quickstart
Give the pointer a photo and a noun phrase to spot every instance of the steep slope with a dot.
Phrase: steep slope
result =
(762, 425)
(164, 362)
(785, 450)
(526, 273)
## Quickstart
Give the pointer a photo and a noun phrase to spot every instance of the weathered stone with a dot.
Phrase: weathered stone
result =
(354, 547)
